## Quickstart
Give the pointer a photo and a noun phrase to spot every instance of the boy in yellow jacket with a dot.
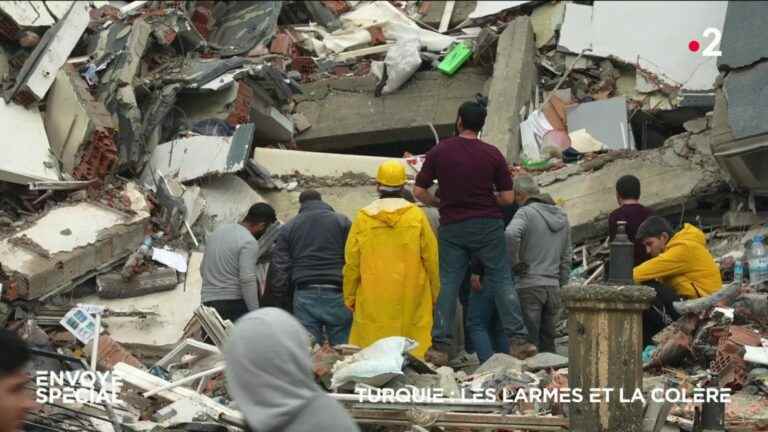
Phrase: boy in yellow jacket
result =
(391, 271)
(681, 265)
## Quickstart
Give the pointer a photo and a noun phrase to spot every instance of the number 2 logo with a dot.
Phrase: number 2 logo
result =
(711, 49)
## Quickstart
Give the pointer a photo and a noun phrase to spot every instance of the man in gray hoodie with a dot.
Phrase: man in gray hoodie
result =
(539, 243)
(269, 375)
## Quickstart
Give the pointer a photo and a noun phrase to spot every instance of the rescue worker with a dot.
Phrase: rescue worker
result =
(269, 374)
(680, 267)
(391, 276)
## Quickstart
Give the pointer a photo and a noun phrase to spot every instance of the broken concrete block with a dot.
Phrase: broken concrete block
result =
(344, 120)
(165, 313)
(500, 361)
(40, 69)
(545, 360)
(113, 286)
(194, 157)
(300, 122)
(31, 160)
(241, 27)
(69, 243)
(75, 121)
(448, 382)
(514, 76)
(697, 125)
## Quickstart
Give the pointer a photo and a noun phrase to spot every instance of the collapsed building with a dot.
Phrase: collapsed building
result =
(144, 125)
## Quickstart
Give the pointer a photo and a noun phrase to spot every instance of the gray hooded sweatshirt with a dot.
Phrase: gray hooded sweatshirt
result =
(269, 374)
(540, 236)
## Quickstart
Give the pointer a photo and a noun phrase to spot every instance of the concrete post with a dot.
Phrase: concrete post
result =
(605, 329)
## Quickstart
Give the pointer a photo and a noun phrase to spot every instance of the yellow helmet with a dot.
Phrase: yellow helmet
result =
(391, 173)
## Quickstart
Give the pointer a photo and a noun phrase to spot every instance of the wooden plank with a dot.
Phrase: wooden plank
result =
(463, 419)
(445, 21)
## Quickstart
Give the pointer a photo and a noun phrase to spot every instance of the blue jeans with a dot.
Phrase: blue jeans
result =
(484, 239)
(484, 325)
(322, 312)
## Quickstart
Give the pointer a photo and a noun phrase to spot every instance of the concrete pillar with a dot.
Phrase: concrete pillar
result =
(514, 76)
(605, 329)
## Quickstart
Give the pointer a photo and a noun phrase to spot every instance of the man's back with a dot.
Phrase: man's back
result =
(540, 235)
(225, 252)
(315, 242)
(467, 171)
(634, 215)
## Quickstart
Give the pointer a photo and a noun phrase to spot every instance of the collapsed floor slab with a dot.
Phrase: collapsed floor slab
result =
(345, 114)
(288, 162)
(68, 243)
(670, 176)
(167, 312)
(31, 160)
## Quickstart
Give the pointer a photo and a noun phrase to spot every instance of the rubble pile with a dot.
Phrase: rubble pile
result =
(144, 125)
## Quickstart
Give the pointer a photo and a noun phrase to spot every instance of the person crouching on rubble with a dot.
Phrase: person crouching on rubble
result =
(15, 399)
(391, 271)
(681, 267)
(269, 375)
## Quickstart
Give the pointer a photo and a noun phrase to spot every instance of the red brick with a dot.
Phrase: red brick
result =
(241, 111)
(281, 44)
(377, 35)
(338, 7)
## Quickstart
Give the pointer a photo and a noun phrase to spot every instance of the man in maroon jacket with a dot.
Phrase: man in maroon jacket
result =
(631, 211)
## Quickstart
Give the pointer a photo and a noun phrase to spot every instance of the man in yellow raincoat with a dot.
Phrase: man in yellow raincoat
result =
(391, 274)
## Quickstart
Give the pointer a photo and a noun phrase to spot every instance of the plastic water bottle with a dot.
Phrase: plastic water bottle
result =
(738, 273)
(758, 261)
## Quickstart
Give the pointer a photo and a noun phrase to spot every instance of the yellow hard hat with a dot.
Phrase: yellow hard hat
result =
(391, 173)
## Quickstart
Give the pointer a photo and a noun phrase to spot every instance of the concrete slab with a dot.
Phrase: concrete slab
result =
(169, 311)
(289, 162)
(35, 13)
(40, 69)
(70, 242)
(191, 158)
(514, 75)
(74, 119)
(620, 29)
(546, 20)
(348, 119)
(668, 180)
(31, 159)
(228, 199)
(346, 200)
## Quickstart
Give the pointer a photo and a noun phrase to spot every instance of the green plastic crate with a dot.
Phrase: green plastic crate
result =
(458, 55)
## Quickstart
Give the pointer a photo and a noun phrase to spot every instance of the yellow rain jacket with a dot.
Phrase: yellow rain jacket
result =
(391, 275)
(685, 265)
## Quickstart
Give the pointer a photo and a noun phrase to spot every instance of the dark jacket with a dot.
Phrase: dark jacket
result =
(309, 249)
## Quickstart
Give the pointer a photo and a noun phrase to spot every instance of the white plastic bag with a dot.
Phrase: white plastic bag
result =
(374, 365)
(402, 61)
